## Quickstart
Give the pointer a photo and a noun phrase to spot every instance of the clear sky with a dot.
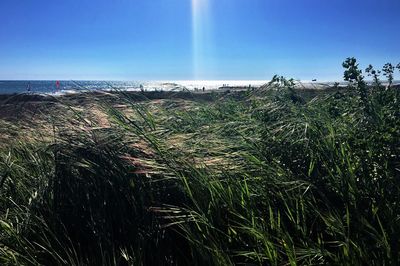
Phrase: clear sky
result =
(194, 39)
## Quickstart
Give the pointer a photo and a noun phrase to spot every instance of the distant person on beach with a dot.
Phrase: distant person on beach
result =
(57, 85)
(28, 87)
(204, 88)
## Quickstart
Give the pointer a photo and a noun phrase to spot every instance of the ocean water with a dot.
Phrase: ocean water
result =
(67, 86)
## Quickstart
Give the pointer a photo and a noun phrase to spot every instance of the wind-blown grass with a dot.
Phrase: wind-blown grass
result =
(263, 177)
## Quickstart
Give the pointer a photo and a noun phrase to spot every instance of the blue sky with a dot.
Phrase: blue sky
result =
(157, 39)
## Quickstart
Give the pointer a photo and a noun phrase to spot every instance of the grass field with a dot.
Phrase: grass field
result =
(273, 176)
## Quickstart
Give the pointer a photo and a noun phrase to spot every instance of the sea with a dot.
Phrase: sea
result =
(71, 86)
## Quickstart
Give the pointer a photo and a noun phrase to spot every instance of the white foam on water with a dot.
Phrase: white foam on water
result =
(215, 84)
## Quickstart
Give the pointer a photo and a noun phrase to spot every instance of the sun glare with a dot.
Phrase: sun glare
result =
(200, 29)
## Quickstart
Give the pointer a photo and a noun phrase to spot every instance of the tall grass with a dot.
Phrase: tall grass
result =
(264, 177)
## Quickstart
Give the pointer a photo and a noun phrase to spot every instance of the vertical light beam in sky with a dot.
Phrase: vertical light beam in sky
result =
(200, 31)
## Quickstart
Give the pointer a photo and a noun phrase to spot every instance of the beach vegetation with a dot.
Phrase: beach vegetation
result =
(261, 177)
